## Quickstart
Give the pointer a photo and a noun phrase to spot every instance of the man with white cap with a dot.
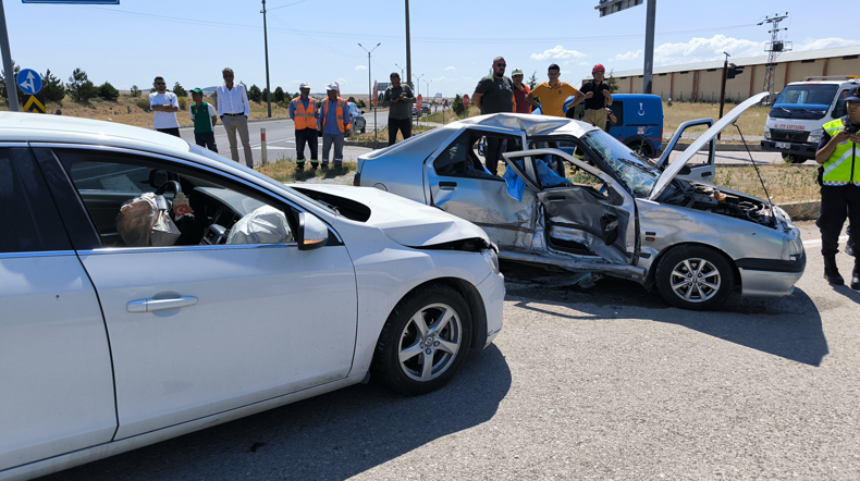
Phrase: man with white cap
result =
(303, 111)
(334, 121)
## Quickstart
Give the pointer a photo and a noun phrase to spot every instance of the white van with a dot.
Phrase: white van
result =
(794, 124)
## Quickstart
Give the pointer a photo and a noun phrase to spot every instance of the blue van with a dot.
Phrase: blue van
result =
(639, 122)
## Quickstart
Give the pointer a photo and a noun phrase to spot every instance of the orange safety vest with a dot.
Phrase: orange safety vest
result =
(338, 114)
(305, 119)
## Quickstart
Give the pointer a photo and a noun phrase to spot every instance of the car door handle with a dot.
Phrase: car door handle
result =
(707, 174)
(149, 305)
(447, 184)
(554, 198)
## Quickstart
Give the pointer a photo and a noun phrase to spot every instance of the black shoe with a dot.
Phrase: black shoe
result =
(300, 166)
(849, 249)
(313, 166)
(855, 277)
(325, 165)
(338, 165)
(831, 272)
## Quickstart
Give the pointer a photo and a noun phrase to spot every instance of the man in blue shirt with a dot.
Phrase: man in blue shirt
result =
(334, 121)
(303, 111)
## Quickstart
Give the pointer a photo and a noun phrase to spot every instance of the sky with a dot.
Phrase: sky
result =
(453, 42)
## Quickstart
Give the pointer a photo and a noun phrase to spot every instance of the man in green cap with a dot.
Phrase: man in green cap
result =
(204, 117)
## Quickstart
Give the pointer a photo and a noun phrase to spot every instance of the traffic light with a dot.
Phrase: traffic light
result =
(733, 70)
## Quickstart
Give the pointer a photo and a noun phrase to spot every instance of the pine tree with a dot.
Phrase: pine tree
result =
(108, 92)
(80, 88)
(179, 91)
(612, 82)
(3, 93)
(458, 106)
(533, 81)
(278, 95)
(52, 87)
(254, 93)
(135, 91)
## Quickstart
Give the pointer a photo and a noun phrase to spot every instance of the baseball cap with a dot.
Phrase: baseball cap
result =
(197, 91)
(332, 87)
(517, 72)
(598, 68)
(304, 85)
(854, 95)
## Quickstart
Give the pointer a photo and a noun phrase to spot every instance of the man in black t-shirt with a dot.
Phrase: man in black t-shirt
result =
(598, 96)
(494, 94)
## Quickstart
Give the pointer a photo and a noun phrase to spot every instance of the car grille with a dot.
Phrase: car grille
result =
(788, 135)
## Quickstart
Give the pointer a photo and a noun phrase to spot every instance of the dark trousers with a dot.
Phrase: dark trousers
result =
(492, 154)
(837, 203)
(311, 138)
(173, 131)
(403, 125)
(206, 139)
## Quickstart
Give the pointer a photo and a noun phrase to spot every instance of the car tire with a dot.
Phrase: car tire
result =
(679, 285)
(404, 346)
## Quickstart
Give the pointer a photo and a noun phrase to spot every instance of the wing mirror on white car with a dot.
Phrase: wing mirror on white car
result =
(312, 232)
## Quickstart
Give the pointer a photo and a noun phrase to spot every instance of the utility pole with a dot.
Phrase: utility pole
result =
(650, 18)
(370, 89)
(11, 86)
(774, 48)
(723, 88)
(266, 46)
(408, 50)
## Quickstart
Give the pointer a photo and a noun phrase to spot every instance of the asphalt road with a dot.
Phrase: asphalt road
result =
(607, 383)
(280, 139)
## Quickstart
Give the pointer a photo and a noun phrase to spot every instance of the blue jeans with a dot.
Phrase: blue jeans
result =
(207, 140)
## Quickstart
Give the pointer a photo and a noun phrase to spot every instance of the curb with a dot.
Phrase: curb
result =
(805, 210)
(252, 121)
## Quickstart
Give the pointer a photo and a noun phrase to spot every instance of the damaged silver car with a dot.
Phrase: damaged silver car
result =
(574, 197)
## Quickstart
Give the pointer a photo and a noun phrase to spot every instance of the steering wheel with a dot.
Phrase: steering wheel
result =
(170, 184)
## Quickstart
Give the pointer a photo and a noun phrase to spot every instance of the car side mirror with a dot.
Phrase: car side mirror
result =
(312, 232)
(362, 111)
(685, 170)
(157, 178)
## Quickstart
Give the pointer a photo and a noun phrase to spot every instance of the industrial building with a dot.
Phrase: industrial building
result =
(701, 81)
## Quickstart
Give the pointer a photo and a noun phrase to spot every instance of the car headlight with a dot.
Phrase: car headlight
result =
(815, 136)
(767, 133)
(492, 259)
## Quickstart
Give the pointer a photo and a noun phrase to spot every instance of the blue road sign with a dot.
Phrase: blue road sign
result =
(76, 2)
(29, 81)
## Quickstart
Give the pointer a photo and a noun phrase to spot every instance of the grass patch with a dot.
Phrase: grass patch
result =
(751, 122)
(785, 183)
(383, 134)
(284, 170)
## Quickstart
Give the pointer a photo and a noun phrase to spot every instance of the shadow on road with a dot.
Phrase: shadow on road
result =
(330, 437)
(789, 327)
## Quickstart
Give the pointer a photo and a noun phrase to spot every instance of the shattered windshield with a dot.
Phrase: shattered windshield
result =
(636, 174)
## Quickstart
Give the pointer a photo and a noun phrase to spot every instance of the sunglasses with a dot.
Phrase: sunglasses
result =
(501, 65)
(160, 83)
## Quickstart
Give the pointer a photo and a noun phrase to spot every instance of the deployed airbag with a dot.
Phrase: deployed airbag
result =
(264, 225)
(141, 223)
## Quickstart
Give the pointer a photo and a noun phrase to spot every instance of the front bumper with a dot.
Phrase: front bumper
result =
(492, 291)
(770, 277)
(806, 151)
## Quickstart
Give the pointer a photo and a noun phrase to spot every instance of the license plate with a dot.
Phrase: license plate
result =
(783, 145)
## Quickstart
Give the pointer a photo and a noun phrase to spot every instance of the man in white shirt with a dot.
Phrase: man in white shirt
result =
(164, 106)
(234, 111)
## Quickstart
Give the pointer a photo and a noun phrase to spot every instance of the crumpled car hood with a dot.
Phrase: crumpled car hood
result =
(405, 221)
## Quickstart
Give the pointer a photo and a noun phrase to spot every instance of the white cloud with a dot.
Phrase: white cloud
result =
(628, 56)
(360, 67)
(341, 81)
(705, 49)
(558, 53)
(450, 69)
(585, 64)
(822, 43)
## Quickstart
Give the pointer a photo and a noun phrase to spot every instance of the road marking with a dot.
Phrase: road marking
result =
(270, 147)
(817, 242)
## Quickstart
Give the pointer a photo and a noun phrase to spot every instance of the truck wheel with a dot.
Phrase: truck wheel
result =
(694, 277)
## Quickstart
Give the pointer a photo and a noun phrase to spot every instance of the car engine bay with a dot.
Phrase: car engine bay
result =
(712, 199)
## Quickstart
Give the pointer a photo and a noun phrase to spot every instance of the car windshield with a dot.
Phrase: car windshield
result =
(213, 156)
(636, 174)
(803, 101)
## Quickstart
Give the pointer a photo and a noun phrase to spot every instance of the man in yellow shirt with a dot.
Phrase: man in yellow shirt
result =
(552, 94)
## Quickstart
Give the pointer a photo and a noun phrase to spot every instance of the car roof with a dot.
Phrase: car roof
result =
(530, 124)
(27, 127)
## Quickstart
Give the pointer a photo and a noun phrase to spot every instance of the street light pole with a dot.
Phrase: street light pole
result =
(650, 17)
(401, 70)
(11, 86)
(266, 46)
(370, 89)
(408, 50)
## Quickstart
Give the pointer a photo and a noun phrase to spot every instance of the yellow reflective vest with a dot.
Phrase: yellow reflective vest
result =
(840, 168)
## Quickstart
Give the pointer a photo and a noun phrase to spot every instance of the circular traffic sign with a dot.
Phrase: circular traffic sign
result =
(29, 81)
(466, 100)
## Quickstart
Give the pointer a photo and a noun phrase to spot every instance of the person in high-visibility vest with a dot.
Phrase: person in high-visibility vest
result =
(334, 120)
(839, 176)
(303, 111)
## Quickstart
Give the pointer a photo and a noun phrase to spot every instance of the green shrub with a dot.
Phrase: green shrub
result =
(143, 104)
(182, 101)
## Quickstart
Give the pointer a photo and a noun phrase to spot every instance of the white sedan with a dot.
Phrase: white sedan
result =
(149, 288)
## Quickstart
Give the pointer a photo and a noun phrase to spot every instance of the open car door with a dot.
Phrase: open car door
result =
(591, 217)
(702, 166)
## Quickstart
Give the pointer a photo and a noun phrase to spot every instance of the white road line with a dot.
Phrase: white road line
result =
(270, 147)
(817, 242)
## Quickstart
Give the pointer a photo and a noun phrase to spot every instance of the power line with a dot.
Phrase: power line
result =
(288, 5)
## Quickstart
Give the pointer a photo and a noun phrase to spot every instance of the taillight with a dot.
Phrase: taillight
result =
(356, 181)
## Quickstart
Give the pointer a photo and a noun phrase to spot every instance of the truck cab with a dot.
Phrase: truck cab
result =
(794, 123)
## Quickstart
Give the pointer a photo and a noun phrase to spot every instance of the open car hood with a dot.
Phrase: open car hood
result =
(675, 167)
(405, 221)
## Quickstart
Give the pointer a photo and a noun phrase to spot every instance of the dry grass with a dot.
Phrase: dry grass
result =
(118, 111)
(751, 122)
(785, 183)
(383, 134)
(284, 170)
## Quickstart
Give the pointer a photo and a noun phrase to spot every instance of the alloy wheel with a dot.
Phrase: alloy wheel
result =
(695, 280)
(430, 341)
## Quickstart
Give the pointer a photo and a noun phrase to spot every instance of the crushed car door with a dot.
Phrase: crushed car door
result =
(461, 185)
(585, 214)
(702, 165)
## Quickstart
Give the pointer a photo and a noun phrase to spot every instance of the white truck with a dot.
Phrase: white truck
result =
(794, 124)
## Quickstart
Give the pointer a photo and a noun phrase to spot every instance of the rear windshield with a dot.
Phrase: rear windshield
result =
(804, 101)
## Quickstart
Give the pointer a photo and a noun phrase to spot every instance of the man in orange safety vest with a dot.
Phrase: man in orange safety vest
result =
(303, 111)
(335, 121)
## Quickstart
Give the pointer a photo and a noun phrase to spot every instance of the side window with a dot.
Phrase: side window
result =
(839, 110)
(141, 202)
(555, 171)
(703, 156)
(466, 155)
(29, 221)
(617, 108)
